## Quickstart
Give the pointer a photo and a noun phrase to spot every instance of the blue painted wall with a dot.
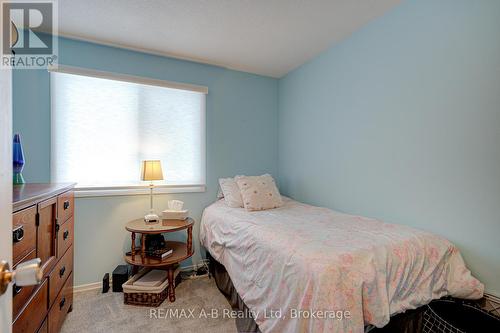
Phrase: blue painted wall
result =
(241, 138)
(401, 121)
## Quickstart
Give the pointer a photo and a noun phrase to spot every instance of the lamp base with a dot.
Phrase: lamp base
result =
(18, 178)
(150, 218)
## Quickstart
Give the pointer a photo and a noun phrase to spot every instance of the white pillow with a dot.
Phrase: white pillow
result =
(231, 192)
(220, 194)
(259, 192)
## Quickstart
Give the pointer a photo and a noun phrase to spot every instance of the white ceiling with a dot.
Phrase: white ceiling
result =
(268, 37)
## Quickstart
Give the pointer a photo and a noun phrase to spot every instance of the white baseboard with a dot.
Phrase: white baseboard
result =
(98, 285)
(193, 267)
(88, 287)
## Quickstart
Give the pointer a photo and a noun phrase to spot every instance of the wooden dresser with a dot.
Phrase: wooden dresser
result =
(43, 224)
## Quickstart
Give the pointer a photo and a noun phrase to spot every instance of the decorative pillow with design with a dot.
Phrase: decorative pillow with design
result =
(259, 192)
(231, 192)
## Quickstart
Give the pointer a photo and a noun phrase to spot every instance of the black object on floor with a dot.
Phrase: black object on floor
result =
(457, 317)
(120, 276)
(105, 283)
(443, 316)
(201, 271)
(178, 280)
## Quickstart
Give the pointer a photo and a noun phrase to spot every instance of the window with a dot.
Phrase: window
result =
(104, 124)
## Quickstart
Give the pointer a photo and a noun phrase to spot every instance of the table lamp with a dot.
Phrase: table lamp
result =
(151, 170)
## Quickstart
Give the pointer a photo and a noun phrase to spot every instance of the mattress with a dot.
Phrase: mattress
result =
(301, 268)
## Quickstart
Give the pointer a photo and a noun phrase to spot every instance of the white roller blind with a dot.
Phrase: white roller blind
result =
(103, 128)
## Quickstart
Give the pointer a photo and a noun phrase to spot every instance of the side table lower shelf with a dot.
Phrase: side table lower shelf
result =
(180, 253)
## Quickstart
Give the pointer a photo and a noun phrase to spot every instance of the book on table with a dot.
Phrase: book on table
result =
(154, 254)
(159, 253)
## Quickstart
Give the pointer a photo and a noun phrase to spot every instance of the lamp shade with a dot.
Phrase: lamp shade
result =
(151, 170)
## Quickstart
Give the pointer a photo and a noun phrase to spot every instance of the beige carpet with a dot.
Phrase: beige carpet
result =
(96, 312)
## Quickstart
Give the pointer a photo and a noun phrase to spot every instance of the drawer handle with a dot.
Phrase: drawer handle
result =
(65, 234)
(66, 204)
(61, 303)
(62, 270)
(16, 289)
(18, 234)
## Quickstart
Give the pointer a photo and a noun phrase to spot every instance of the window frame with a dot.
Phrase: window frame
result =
(137, 189)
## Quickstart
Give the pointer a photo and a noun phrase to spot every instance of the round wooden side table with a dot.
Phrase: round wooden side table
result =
(181, 250)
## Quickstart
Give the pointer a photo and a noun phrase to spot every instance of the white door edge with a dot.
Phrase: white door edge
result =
(6, 191)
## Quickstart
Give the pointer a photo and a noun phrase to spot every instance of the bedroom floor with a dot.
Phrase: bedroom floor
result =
(96, 312)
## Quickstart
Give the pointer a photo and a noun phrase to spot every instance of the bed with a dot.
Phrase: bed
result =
(301, 268)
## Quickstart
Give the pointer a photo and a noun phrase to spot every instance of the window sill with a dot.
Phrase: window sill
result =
(86, 192)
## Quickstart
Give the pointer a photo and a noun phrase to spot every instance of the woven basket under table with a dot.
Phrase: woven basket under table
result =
(145, 299)
(145, 296)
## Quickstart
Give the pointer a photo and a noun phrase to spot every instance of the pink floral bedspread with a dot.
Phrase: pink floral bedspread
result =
(301, 268)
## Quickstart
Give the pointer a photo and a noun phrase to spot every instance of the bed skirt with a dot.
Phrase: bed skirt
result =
(226, 287)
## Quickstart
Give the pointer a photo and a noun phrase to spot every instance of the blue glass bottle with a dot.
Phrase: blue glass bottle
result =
(18, 160)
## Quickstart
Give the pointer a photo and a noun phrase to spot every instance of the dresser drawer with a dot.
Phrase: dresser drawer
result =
(60, 274)
(46, 232)
(65, 206)
(34, 313)
(60, 308)
(24, 233)
(22, 294)
(65, 237)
